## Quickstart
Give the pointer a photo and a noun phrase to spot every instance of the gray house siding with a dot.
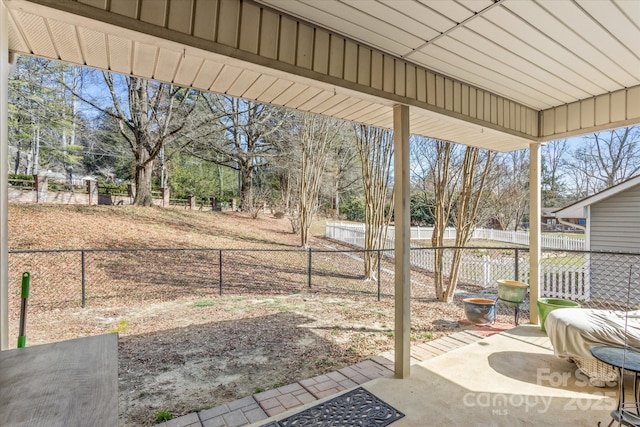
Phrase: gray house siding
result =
(615, 226)
(615, 222)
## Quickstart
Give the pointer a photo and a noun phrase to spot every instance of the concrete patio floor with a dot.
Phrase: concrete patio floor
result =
(473, 378)
(509, 379)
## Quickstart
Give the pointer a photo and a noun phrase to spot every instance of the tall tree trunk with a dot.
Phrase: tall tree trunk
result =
(246, 187)
(317, 136)
(441, 210)
(16, 164)
(143, 175)
(376, 153)
(34, 154)
(285, 181)
(143, 184)
(465, 209)
(220, 181)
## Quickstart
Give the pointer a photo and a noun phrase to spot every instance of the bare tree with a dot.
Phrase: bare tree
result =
(581, 185)
(151, 122)
(508, 190)
(317, 135)
(243, 139)
(554, 157)
(606, 158)
(459, 182)
(376, 154)
(423, 165)
(285, 166)
(344, 176)
(150, 115)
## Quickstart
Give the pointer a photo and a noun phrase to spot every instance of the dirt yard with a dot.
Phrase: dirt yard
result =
(192, 352)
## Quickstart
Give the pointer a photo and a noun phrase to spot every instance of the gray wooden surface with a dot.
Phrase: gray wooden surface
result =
(69, 383)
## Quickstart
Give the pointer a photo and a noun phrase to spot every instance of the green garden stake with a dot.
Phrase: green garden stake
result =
(22, 338)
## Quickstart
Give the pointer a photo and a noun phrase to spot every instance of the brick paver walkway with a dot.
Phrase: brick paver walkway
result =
(269, 403)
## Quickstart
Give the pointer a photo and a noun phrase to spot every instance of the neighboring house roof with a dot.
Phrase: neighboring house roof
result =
(578, 209)
(548, 212)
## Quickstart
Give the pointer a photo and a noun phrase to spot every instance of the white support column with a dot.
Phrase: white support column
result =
(4, 173)
(587, 228)
(402, 241)
(535, 255)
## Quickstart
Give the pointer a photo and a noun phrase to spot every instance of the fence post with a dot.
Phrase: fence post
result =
(84, 293)
(92, 189)
(517, 266)
(309, 269)
(379, 278)
(220, 260)
(42, 187)
(166, 196)
(486, 270)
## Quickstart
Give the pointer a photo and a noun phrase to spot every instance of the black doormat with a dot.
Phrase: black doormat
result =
(357, 408)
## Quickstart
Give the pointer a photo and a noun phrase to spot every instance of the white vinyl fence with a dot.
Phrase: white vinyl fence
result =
(352, 231)
(559, 281)
(547, 241)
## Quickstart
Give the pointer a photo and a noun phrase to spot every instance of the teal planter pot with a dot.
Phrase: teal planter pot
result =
(480, 311)
(512, 293)
(547, 305)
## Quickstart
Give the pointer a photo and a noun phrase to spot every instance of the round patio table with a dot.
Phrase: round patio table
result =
(623, 359)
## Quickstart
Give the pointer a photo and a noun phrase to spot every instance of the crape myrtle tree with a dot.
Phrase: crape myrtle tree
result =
(340, 172)
(317, 135)
(375, 147)
(459, 178)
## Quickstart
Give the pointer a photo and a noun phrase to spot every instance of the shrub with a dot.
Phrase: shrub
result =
(22, 177)
(113, 189)
(353, 209)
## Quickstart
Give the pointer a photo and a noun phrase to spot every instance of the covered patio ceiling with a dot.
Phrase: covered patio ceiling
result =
(496, 74)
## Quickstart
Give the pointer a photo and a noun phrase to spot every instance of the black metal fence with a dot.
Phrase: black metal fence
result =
(104, 277)
(90, 277)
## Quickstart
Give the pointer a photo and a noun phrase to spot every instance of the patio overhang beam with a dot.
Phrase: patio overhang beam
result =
(608, 111)
(242, 45)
